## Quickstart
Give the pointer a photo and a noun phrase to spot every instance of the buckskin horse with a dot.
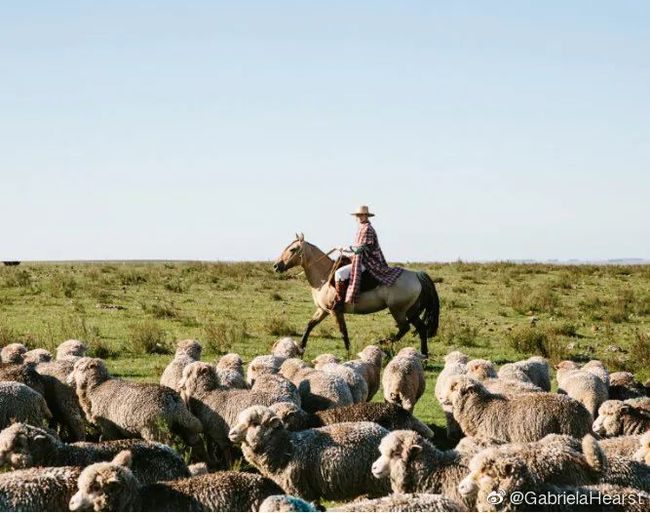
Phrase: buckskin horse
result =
(412, 295)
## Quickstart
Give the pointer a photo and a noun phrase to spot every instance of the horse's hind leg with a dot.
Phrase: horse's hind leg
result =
(402, 324)
(422, 331)
(340, 322)
(318, 316)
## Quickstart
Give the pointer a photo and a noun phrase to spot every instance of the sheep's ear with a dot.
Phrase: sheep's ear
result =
(508, 469)
(40, 437)
(123, 458)
(275, 422)
(414, 450)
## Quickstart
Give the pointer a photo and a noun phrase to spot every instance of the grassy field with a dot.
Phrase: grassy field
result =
(131, 313)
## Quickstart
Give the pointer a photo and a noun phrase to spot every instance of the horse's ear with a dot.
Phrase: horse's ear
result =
(297, 236)
(301, 237)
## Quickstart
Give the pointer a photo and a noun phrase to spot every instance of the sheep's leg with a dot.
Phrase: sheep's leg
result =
(315, 320)
(340, 322)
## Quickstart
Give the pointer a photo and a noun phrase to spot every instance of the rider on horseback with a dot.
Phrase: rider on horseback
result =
(366, 255)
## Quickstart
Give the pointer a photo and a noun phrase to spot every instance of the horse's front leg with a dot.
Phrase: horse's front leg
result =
(340, 322)
(318, 316)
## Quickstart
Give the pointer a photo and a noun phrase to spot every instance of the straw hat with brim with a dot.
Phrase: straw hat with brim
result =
(362, 211)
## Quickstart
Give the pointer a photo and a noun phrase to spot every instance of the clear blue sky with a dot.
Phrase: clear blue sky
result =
(215, 130)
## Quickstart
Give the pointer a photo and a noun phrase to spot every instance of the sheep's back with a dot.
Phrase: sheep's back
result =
(38, 489)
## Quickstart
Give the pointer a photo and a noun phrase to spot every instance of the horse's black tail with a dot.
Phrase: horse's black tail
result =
(430, 303)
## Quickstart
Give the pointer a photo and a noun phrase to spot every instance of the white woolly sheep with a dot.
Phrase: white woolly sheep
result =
(414, 465)
(19, 403)
(535, 368)
(403, 380)
(230, 370)
(187, 351)
(37, 356)
(332, 462)
(13, 353)
(518, 418)
(597, 368)
(286, 347)
(25, 446)
(369, 366)
(277, 386)
(481, 369)
(265, 364)
(581, 385)
(38, 489)
(455, 365)
(286, 503)
(330, 364)
(71, 350)
(616, 418)
(643, 452)
(625, 445)
(318, 390)
(142, 410)
(111, 486)
(623, 386)
(216, 408)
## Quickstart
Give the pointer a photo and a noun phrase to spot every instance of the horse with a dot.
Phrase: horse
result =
(413, 294)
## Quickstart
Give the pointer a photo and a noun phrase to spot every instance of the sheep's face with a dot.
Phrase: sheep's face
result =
(291, 367)
(24, 446)
(189, 347)
(13, 353)
(71, 349)
(373, 355)
(481, 369)
(106, 486)
(565, 366)
(291, 415)
(643, 453)
(610, 418)
(459, 388)
(197, 377)
(479, 468)
(287, 347)
(231, 361)
(87, 371)
(255, 426)
(37, 356)
(321, 360)
(503, 476)
(456, 357)
(397, 450)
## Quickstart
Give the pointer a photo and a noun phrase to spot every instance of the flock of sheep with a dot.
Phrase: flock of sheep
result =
(313, 434)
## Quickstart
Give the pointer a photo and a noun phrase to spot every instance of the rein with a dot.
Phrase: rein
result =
(307, 266)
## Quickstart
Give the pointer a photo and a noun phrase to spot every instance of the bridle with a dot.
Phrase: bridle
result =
(305, 266)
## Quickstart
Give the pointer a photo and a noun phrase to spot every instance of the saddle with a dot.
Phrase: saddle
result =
(368, 281)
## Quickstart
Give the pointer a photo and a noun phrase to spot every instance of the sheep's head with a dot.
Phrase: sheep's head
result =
(37, 356)
(87, 371)
(286, 347)
(461, 387)
(291, 367)
(479, 467)
(324, 359)
(502, 476)
(481, 369)
(189, 347)
(398, 450)
(511, 371)
(456, 357)
(255, 426)
(106, 486)
(24, 446)
(410, 352)
(13, 353)
(291, 415)
(610, 418)
(373, 355)
(231, 361)
(71, 350)
(265, 364)
(566, 366)
(198, 377)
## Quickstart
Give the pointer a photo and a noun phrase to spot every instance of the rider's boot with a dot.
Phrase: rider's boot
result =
(341, 288)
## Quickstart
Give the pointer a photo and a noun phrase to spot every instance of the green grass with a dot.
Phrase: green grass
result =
(131, 313)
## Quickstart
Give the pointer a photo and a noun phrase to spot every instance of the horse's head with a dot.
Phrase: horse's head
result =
(291, 256)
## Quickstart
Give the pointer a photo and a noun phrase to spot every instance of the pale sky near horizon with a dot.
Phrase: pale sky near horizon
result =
(215, 130)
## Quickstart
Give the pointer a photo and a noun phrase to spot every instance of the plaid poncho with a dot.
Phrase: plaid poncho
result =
(373, 260)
